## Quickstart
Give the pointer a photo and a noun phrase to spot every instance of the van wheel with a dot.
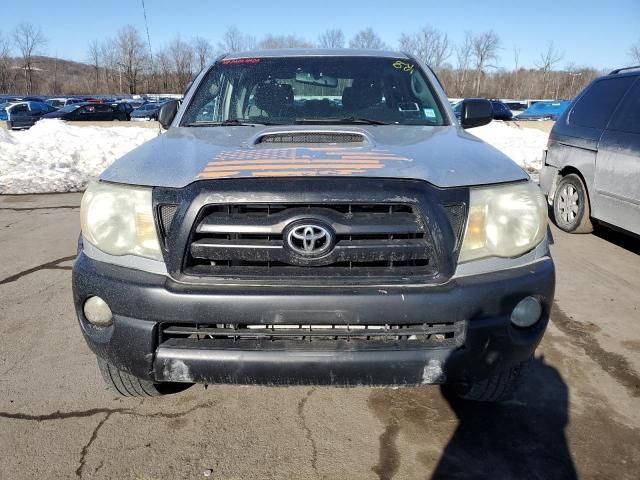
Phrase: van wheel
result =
(571, 210)
(127, 385)
(496, 388)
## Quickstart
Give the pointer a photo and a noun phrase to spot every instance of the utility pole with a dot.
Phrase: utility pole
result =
(55, 75)
(573, 77)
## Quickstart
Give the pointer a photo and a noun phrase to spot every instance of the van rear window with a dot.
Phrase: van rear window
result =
(595, 106)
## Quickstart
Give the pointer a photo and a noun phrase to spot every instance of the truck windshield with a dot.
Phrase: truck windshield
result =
(314, 90)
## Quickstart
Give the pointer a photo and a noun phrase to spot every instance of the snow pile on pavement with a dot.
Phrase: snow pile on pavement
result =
(55, 157)
(524, 145)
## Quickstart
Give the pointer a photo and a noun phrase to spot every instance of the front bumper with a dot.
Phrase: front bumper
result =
(142, 301)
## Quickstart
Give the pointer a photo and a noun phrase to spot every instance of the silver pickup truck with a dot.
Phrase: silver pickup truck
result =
(314, 217)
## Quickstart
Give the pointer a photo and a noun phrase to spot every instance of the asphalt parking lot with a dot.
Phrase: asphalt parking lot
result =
(578, 415)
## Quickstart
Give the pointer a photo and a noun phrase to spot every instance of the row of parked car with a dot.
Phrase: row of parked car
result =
(24, 112)
(542, 110)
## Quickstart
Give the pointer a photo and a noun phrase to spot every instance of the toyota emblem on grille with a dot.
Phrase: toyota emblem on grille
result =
(310, 239)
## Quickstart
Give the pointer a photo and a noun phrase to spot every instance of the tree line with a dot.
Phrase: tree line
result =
(125, 63)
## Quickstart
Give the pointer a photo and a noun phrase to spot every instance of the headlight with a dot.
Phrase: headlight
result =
(504, 221)
(118, 220)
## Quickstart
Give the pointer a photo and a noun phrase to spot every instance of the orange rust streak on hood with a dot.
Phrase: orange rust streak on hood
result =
(273, 166)
(307, 173)
(302, 161)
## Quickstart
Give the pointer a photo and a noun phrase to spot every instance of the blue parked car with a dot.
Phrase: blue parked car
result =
(24, 114)
(544, 110)
(3, 112)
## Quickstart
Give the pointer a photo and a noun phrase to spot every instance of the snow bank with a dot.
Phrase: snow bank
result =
(524, 145)
(56, 157)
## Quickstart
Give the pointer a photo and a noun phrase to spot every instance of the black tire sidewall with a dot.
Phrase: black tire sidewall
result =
(576, 182)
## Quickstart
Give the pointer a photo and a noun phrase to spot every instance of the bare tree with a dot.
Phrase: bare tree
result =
(367, 38)
(122, 63)
(131, 56)
(429, 45)
(441, 50)
(634, 53)
(163, 71)
(515, 85)
(28, 40)
(516, 58)
(331, 38)
(234, 40)
(112, 72)
(284, 41)
(182, 58)
(203, 51)
(5, 65)
(485, 49)
(463, 60)
(94, 58)
(548, 60)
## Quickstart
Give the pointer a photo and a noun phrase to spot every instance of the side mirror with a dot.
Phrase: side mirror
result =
(168, 112)
(475, 112)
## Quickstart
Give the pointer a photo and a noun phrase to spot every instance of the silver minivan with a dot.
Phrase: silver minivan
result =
(592, 166)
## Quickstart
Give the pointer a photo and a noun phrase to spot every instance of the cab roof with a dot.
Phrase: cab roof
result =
(315, 52)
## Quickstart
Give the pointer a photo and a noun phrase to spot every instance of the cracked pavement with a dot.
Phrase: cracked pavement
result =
(577, 416)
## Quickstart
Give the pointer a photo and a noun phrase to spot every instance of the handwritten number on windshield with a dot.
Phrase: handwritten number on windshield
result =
(404, 66)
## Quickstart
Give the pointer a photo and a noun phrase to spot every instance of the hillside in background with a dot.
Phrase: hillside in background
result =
(55, 76)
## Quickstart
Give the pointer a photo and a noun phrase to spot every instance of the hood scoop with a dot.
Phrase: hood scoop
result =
(313, 137)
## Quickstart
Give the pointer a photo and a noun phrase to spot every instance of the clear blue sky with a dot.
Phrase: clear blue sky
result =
(589, 32)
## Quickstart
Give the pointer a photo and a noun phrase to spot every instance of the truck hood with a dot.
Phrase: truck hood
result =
(443, 156)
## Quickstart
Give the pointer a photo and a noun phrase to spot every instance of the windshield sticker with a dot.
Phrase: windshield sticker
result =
(291, 162)
(240, 61)
(429, 112)
(403, 66)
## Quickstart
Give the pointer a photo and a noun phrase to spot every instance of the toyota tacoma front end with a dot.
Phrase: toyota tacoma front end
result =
(314, 217)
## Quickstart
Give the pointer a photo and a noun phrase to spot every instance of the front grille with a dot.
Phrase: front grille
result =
(165, 217)
(311, 137)
(369, 240)
(456, 214)
(423, 334)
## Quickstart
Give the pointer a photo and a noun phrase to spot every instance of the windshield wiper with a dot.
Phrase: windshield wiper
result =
(361, 120)
(225, 123)
(369, 121)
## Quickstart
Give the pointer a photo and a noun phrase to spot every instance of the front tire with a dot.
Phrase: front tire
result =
(571, 209)
(496, 388)
(127, 385)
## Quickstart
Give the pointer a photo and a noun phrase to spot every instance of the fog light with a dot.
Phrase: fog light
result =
(527, 312)
(97, 312)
